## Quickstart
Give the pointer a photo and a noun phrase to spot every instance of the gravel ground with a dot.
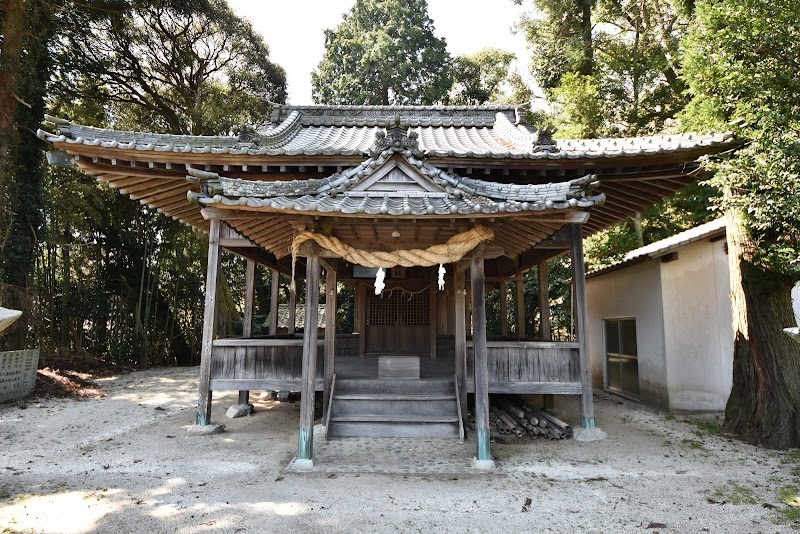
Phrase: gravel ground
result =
(124, 463)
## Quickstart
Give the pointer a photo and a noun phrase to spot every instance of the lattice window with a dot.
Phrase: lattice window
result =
(397, 306)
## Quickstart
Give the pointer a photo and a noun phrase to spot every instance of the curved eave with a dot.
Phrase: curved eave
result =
(685, 150)
(397, 207)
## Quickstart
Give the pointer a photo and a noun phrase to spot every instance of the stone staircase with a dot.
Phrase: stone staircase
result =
(394, 408)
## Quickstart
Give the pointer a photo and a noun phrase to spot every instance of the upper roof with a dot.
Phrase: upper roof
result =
(665, 246)
(450, 131)
(487, 155)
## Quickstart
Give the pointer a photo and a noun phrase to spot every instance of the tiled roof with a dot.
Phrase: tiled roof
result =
(462, 132)
(396, 180)
(664, 246)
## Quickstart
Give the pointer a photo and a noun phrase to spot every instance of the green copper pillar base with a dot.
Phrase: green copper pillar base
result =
(483, 460)
(587, 423)
(305, 446)
(483, 445)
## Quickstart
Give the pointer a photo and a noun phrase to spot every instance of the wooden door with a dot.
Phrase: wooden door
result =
(398, 323)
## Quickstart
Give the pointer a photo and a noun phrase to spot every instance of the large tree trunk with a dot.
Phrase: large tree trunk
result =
(764, 405)
(14, 29)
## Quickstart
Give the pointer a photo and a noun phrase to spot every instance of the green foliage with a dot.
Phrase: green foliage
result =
(611, 64)
(111, 276)
(559, 35)
(709, 427)
(734, 493)
(741, 62)
(189, 66)
(479, 78)
(581, 106)
(790, 496)
(22, 174)
(383, 52)
(609, 246)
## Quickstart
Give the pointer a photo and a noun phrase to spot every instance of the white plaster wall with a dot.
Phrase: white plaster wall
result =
(630, 292)
(796, 304)
(697, 327)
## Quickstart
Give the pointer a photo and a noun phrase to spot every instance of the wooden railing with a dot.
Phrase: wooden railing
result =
(260, 364)
(530, 367)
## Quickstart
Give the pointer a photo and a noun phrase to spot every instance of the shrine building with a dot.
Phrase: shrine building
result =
(422, 210)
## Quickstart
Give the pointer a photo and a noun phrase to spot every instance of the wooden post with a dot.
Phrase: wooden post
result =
(330, 337)
(292, 305)
(460, 297)
(483, 456)
(544, 302)
(582, 320)
(209, 316)
(503, 308)
(432, 318)
(247, 320)
(305, 448)
(273, 303)
(361, 317)
(521, 307)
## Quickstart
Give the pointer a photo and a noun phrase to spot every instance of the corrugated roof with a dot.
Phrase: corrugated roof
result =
(664, 246)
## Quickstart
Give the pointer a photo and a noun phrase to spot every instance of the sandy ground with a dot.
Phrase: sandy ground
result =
(124, 463)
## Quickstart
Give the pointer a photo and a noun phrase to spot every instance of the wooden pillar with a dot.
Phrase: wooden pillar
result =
(292, 305)
(273, 303)
(521, 307)
(432, 318)
(361, 317)
(460, 297)
(330, 338)
(544, 302)
(247, 320)
(483, 456)
(209, 316)
(503, 308)
(582, 320)
(308, 384)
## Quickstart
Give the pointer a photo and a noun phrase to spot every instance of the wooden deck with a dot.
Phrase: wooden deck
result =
(275, 363)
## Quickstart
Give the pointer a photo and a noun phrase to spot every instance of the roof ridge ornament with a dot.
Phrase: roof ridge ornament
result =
(543, 140)
(396, 138)
(269, 135)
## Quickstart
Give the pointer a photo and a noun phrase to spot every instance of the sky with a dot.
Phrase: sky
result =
(293, 29)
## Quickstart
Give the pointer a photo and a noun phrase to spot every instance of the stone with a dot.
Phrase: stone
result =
(239, 410)
(302, 465)
(205, 430)
(584, 434)
(483, 464)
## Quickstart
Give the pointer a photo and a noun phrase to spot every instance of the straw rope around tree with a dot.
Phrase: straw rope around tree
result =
(449, 252)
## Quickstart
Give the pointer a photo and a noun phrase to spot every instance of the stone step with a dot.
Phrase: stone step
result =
(383, 429)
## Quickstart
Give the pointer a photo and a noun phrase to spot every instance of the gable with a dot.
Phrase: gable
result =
(396, 176)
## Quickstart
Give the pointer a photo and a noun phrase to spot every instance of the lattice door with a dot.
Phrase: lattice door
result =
(398, 323)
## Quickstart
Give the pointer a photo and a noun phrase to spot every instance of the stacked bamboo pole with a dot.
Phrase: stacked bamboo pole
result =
(512, 415)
